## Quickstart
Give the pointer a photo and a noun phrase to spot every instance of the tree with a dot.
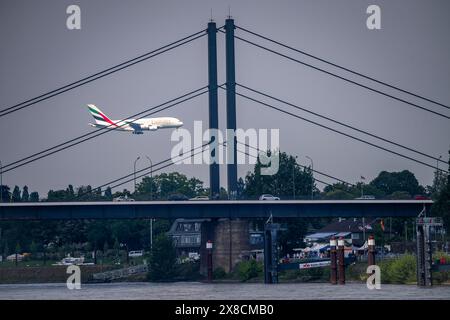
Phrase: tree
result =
(290, 176)
(34, 197)
(25, 195)
(116, 248)
(293, 236)
(17, 252)
(338, 194)
(6, 250)
(240, 188)
(163, 259)
(399, 195)
(16, 194)
(441, 206)
(70, 193)
(105, 248)
(108, 194)
(33, 249)
(5, 194)
(97, 234)
(390, 182)
(165, 184)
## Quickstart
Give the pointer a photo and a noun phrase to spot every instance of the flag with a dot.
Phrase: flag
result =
(382, 224)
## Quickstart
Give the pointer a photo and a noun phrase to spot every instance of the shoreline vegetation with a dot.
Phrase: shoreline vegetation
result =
(393, 271)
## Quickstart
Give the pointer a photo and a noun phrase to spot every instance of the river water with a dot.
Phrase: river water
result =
(225, 291)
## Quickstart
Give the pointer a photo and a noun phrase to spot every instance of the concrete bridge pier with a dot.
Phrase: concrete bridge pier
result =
(230, 239)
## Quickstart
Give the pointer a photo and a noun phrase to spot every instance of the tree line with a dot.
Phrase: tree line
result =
(291, 181)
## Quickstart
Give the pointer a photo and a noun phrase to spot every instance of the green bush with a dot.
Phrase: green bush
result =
(163, 259)
(399, 271)
(219, 273)
(188, 271)
(249, 269)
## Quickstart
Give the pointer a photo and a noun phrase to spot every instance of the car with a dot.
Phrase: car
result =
(194, 256)
(366, 197)
(268, 197)
(122, 198)
(199, 198)
(136, 253)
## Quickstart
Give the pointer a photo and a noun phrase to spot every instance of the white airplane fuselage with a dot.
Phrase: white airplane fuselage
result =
(136, 126)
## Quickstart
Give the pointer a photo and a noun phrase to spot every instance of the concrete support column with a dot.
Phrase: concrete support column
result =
(231, 243)
(341, 261)
(231, 110)
(371, 251)
(333, 257)
(214, 177)
(207, 234)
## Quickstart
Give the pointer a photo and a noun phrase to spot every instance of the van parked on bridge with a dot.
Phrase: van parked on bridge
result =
(268, 197)
(136, 253)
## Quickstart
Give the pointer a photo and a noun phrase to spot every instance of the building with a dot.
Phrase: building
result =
(186, 235)
(351, 230)
(234, 240)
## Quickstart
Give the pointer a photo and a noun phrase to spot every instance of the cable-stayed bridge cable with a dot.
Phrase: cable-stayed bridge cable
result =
(343, 68)
(103, 73)
(344, 79)
(313, 170)
(336, 131)
(151, 168)
(109, 128)
(341, 123)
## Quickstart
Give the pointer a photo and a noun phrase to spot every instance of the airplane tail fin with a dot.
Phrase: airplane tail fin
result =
(99, 116)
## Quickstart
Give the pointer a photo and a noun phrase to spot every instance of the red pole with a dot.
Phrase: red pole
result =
(371, 251)
(341, 262)
(333, 275)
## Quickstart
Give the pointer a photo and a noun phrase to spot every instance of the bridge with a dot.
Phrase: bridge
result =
(213, 209)
(232, 208)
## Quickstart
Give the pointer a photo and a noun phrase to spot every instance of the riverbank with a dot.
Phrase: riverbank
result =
(221, 291)
(46, 274)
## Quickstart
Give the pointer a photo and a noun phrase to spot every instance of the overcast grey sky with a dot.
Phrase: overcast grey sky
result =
(38, 53)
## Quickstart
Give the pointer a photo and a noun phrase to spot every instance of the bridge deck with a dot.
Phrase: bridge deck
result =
(212, 209)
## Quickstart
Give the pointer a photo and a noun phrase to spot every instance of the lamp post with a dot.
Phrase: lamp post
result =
(312, 177)
(151, 177)
(293, 176)
(134, 173)
(151, 198)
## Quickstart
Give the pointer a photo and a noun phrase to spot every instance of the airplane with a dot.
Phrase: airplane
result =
(132, 125)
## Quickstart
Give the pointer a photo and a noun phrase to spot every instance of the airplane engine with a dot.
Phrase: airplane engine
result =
(152, 128)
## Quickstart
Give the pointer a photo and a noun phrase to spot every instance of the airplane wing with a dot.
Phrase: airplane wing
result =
(136, 127)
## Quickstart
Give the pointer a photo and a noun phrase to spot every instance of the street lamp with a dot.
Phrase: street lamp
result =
(151, 177)
(134, 173)
(151, 198)
(293, 176)
(312, 177)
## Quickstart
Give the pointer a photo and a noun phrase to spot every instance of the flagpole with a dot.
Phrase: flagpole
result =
(364, 229)
(362, 186)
